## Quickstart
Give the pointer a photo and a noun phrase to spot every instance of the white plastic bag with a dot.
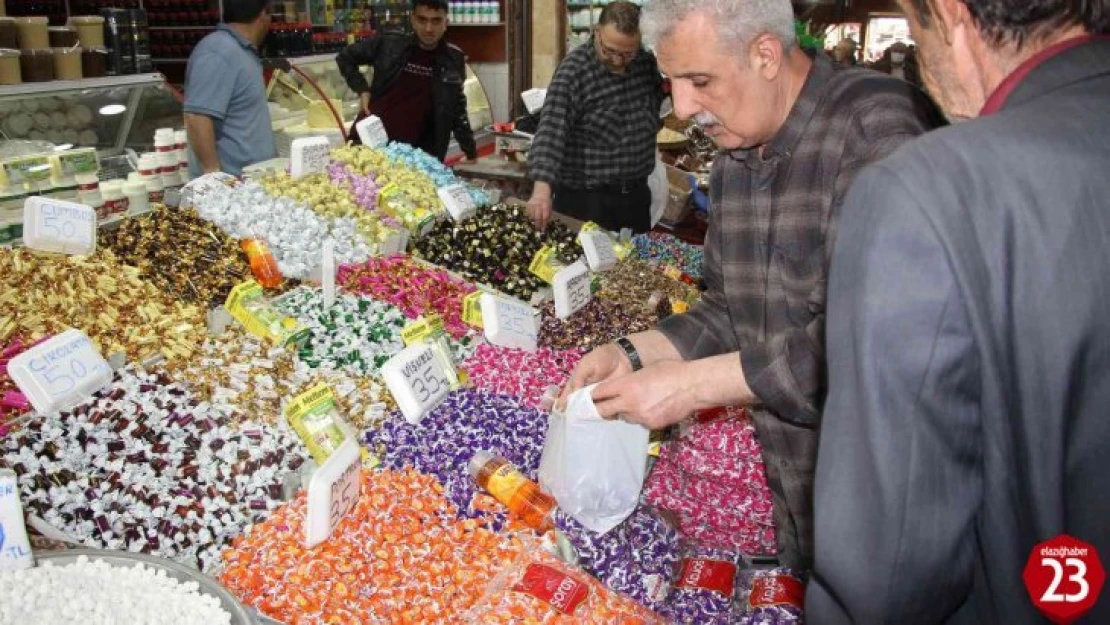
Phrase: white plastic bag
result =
(660, 190)
(593, 467)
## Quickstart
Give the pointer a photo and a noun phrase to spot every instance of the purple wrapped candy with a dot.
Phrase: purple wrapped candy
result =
(444, 441)
(705, 587)
(637, 557)
(772, 597)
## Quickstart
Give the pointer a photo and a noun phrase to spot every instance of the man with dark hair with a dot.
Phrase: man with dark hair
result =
(968, 335)
(417, 89)
(226, 115)
(595, 146)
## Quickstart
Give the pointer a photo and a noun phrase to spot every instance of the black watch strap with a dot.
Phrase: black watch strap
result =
(630, 350)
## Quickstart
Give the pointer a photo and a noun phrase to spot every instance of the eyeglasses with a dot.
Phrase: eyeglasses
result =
(612, 54)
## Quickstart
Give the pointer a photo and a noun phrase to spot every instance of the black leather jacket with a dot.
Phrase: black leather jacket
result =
(387, 54)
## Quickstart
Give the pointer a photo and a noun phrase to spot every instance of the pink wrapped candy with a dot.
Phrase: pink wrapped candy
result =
(713, 479)
(521, 374)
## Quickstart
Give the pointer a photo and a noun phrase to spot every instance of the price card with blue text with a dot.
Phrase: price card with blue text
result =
(456, 199)
(418, 380)
(572, 289)
(600, 253)
(60, 373)
(333, 492)
(508, 323)
(309, 155)
(59, 226)
(371, 131)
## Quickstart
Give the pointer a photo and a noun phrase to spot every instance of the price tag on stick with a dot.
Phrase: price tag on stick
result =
(309, 156)
(59, 226)
(572, 290)
(508, 323)
(60, 373)
(456, 199)
(333, 492)
(417, 380)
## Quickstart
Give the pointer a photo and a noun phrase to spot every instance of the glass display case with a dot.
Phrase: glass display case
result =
(109, 114)
(298, 108)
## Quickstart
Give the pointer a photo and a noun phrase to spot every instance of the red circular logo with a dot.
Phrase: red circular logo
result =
(1064, 577)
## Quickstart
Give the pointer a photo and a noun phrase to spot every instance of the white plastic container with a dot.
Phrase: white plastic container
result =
(88, 192)
(181, 144)
(115, 201)
(149, 170)
(165, 147)
(138, 202)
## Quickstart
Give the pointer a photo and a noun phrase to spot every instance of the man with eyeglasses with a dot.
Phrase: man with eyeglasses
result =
(595, 146)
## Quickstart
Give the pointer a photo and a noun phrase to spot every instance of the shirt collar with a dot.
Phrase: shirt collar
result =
(238, 37)
(793, 128)
(998, 98)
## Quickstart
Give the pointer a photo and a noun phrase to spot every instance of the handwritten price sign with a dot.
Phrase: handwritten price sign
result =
(1064, 577)
(371, 131)
(417, 380)
(600, 253)
(572, 290)
(456, 199)
(508, 323)
(309, 156)
(59, 226)
(61, 372)
(333, 492)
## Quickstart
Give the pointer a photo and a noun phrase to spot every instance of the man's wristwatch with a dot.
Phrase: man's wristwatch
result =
(630, 351)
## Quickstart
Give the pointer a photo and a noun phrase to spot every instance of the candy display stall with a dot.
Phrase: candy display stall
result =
(224, 440)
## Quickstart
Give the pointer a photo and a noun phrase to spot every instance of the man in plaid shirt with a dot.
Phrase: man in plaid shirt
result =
(595, 146)
(794, 130)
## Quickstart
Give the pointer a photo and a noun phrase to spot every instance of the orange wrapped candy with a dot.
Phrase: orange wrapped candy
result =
(538, 588)
(401, 556)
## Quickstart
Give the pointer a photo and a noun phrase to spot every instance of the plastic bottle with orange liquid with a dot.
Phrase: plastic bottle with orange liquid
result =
(508, 485)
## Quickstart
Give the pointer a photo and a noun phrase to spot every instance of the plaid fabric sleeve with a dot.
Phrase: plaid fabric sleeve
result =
(545, 158)
(787, 371)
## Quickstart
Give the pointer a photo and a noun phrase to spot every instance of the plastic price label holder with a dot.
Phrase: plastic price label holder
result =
(309, 156)
(572, 289)
(333, 492)
(371, 131)
(61, 372)
(456, 199)
(59, 226)
(417, 380)
(600, 253)
(508, 323)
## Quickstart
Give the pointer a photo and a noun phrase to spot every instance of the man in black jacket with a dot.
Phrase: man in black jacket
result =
(417, 89)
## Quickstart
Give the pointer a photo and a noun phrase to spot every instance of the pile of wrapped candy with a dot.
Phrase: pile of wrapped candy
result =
(195, 450)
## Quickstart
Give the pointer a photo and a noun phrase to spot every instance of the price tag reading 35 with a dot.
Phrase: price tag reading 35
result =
(61, 372)
(456, 199)
(333, 492)
(572, 290)
(59, 226)
(417, 381)
(508, 323)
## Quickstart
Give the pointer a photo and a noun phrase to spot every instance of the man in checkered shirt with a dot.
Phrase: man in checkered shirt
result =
(595, 146)
(794, 129)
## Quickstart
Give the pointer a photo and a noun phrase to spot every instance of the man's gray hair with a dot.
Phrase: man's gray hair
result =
(738, 21)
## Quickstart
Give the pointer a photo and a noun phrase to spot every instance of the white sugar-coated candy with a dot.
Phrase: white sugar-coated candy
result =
(95, 593)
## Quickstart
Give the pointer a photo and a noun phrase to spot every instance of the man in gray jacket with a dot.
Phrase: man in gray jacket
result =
(969, 333)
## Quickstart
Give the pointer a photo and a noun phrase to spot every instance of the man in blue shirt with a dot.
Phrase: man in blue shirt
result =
(225, 96)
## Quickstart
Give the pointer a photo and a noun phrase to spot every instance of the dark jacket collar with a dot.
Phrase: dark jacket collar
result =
(240, 39)
(1052, 69)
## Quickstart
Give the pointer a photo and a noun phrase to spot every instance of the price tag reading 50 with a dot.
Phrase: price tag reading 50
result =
(508, 323)
(417, 381)
(333, 492)
(59, 226)
(61, 372)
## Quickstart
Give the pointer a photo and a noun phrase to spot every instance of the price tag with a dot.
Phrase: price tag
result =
(309, 156)
(456, 199)
(59, 226)
(371, 131)
(424, 329)
(533, 99)
(327, 273)
(60, 373)
(544, 264)
(472, 309)
(417, 379)
(333, 493)
(508, 323)
(599, 250)
(572, 290)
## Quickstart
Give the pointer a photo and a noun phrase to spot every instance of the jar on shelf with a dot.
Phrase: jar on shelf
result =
(37, 65)
(90, 30)
(10, 73)
(94, 62)
(9, 35)
(33, 33)
(67, 63)
(62, 36)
